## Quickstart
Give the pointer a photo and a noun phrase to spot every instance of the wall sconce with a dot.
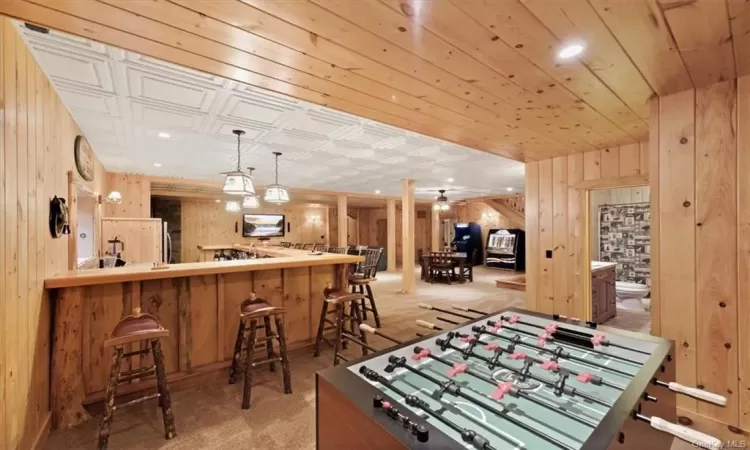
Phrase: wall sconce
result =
(488, 216)
(114, 198)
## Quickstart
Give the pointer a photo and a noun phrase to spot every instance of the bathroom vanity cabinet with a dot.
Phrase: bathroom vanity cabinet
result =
(603, 301)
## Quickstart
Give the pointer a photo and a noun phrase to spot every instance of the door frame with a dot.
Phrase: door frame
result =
(583, 190)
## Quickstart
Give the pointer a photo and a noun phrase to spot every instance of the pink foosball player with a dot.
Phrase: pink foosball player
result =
(517, 355)
(502, 389)
(598, 340)
(491, 346)
(551, 366)
(584, 377)
(457, 369)
(551, 328)
(541, 340)
(468, 339)
(425, 352)
(514, 319)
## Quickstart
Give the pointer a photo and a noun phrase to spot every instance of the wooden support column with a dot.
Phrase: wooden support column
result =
(342, 216)
(391, 224)
(407, 236)
(435, 241)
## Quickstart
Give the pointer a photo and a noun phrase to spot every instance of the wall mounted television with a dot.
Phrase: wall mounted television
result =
(263, 225)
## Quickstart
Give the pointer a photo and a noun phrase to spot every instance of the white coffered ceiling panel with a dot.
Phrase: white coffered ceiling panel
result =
(123, 101)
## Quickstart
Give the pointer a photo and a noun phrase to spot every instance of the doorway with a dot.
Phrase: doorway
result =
(619, 255)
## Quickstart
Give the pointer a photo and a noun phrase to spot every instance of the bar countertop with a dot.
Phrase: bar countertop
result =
(281, 258)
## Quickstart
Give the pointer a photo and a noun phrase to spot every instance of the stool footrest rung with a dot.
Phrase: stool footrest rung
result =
(342, 357)
(267, 361)
(142, 351)
(136, 401)
(356, 340)
(136, 373)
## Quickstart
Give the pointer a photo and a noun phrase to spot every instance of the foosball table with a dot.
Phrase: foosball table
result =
(508, 380)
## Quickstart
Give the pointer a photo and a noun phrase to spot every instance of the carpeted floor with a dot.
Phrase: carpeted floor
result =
(209, 416)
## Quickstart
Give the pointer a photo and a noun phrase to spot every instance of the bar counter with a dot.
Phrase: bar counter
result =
(197, 302)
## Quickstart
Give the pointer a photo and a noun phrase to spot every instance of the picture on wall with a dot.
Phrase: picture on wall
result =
(624, 238)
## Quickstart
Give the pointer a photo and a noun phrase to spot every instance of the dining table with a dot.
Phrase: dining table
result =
(459, 261)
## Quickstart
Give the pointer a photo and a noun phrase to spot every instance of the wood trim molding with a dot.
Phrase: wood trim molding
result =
(613, 182)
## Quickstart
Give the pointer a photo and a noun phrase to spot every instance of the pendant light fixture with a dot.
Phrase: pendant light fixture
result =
(251, 201)
(233, 206)
(441, 204)
(276, 193)
(238, 182)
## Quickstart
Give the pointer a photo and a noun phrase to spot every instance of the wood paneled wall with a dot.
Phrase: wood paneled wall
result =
(700, 203)
(484, 215)
(554, 215)
(206, 222)
(141, 238)
(136, 195)
(36, 152)
(373, 229)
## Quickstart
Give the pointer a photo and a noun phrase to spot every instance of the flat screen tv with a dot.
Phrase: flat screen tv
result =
(263, 225)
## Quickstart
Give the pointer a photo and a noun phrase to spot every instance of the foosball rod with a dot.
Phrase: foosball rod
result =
(467, 435)
(481, 377)
(605, 343)
(573, 393)
(698, 439)
(564, 354)
(509, 351)
(493, 323)
(446, 311)
(520, 393)
(456, 391)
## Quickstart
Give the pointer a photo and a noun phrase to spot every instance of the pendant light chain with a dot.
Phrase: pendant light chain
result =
(238, 153)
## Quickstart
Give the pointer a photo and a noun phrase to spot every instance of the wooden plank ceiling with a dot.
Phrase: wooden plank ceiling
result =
(482, 73)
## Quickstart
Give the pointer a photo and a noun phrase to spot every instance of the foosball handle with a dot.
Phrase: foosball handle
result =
(460, 308)
(425, 324)
(425, 306)
(697, 438)
(367, 328)
(709, 397)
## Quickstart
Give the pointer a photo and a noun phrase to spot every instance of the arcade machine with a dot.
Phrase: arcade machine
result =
(506, 249)
(468, 238)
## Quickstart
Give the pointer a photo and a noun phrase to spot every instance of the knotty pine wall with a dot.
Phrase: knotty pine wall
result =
(370, 234)
(700, 203)
(554, 214)
(36, 152)
(484, 215)
(206, 222)
(136, 195)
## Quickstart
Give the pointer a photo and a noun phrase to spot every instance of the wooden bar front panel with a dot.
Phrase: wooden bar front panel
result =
(201, 312)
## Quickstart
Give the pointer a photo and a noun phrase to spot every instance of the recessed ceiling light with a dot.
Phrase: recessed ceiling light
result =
(571, 50)
(377, 191)
(509, 189)
(218, 200)
(164, 135)
(157, 164)
(449, 180)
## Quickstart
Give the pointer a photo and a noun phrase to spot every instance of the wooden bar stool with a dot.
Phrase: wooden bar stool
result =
(137, 328)
(252, 311)
(340, 300)
(360, 279)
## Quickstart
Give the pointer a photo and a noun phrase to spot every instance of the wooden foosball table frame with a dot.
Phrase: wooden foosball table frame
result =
(346, 418)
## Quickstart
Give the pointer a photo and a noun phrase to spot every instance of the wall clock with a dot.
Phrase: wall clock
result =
(84, 157)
